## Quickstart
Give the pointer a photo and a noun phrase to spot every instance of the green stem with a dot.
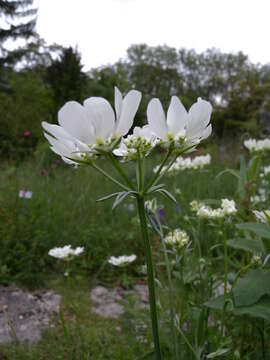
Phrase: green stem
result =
(140, 175)
(159, 231)
(154, 180)
(120, 171)
(110, 177)
(150, 276)
(187, 342)
(158, 178)
(226, 266)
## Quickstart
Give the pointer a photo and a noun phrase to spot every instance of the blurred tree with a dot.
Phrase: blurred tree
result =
(66, 78)
(22, 111)
(19, 19)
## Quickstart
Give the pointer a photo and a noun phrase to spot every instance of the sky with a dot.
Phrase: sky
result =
(104, 29)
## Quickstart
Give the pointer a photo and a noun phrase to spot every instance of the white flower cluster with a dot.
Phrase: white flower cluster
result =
(198, 162)
(151, 205)
(256, 199)
(65, 252)
(177, 239)
(188, 163)
(266, 170)
(121, 260)
(141, 140)
(25, 194)
(254, 145)
(206, 212)
(262, 216)
(94, 127)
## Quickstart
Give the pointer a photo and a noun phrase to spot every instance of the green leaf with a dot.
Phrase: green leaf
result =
(217, 353)
(107, 197)
(253, 168)
(120, 197)
(259, 229)
(261, 309)
(167, 194)
(217, 303)
(250, 288)
(235, 173)
(254, 246)
(155, 187)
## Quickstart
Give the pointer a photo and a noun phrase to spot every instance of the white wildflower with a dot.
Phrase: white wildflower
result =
(266, 170)
(151, 205)
(188, 163)
(258, 199)
(121, 260)
(203, 211)
(254, 145)
(65, 252)
(177, 238)
(179, 127)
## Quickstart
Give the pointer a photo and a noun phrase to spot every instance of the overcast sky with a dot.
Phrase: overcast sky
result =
(104, 29)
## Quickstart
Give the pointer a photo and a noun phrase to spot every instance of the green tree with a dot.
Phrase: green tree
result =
(19, 19)
(66, 78)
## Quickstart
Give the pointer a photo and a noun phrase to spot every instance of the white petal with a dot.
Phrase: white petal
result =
(129, 108)
(177, 116)
(100, 113)
(118, 100)
(207, 132)
(72, 118)
(198, 118)
(56, 130)
(59, 147)
(156, 119)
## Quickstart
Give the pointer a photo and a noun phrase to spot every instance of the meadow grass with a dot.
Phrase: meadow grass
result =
(63, 210)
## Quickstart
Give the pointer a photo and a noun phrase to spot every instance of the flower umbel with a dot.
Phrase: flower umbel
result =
(84, 129)
(121, 260)
(180, 128)
(65, 252)
(177, 239)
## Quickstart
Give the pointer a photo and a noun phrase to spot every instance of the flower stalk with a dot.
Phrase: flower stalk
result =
(150, 276)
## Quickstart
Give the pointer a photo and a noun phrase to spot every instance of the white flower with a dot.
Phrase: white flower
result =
(84, 128)
(203, 211)
(266, 170)
(254, 145)
(121, 260)
(65, 252)
(228, 207)
(151, 205)
(258, 199)
(25, 194)
(180, 127)
(177, 238)
(262, 216)
(142, 140)
(197, 162)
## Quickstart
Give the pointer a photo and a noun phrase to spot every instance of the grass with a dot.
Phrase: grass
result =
(63, 210)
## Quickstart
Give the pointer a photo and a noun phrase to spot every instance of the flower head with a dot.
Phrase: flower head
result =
(25, 194)
(180, 128)
(177, 239)
(83, 129)
(27, 133)
(142, 140)
(227, 208)
(254, 145)
(65, 252)
(121, 260)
